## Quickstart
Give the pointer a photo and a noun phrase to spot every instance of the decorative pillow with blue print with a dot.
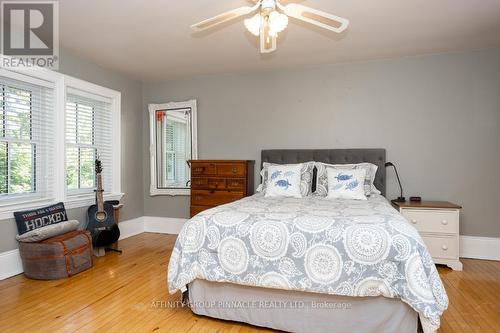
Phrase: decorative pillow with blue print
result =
(284, 181)
(306, 176)
(346, 183)
(322, 176)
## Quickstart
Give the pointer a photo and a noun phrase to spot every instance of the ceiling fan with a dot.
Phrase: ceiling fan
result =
(272, 18)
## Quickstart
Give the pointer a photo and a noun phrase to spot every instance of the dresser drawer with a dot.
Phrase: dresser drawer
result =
(202, 183)
(231, 170)
(217, 183)
(213, 198)
(203, 169)
(441, 247)
(236, 184)
(435, 221)
(199, 183)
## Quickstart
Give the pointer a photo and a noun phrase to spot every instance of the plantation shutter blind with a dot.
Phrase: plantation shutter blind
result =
(169, 155)
(26, 139)
(88, 135)
(177, 148)
(180, 147)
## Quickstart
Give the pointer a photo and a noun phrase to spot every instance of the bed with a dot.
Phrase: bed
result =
(310, 264)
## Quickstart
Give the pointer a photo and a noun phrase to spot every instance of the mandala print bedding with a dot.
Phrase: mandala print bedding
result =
(313, 244)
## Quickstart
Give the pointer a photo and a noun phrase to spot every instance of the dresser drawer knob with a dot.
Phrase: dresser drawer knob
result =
(413, 221)
(444, 247)
(235, 170)
(444, 222)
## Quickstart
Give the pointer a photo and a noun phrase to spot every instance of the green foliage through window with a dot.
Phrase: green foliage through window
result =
(17, 147)
(81, 151)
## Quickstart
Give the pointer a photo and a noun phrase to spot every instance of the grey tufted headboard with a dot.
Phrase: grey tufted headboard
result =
(331, 156)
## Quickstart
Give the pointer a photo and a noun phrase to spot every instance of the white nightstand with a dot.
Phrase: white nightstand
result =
(438, 224)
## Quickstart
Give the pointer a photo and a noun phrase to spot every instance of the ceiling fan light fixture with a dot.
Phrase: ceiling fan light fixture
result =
(254, 24)
(272, 18)
(277, 22)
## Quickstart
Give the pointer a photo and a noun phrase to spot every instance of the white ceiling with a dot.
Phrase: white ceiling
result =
(150, 40)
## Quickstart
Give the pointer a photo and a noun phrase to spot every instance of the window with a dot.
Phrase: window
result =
(88, 136)
(26, 144)
(52, 127)
(173, 140)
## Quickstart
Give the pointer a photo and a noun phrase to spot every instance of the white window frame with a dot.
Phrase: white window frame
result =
(153, 188)
(62, 82)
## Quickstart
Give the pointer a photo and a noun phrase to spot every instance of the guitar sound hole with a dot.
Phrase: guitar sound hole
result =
(101, 216)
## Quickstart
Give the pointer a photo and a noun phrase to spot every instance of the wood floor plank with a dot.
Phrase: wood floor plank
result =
(128, 293)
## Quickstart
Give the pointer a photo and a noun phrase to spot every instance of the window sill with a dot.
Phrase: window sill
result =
(7, 212)
(78, 201)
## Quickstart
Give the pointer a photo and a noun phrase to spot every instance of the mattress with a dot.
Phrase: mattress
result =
(317, 245)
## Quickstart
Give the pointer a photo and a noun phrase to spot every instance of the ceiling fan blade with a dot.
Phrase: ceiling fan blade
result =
(267, 42)
(316, 17)
(227, 16)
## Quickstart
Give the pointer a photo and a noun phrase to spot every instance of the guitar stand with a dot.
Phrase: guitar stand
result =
(113, 250)
(101, 251)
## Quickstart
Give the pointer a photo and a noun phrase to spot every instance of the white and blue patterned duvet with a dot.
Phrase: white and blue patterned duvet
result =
(313, 244)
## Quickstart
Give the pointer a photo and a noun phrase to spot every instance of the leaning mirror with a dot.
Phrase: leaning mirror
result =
(173, 145)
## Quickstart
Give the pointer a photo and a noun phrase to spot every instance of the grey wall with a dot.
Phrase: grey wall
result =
(438, 116)
(131, 138)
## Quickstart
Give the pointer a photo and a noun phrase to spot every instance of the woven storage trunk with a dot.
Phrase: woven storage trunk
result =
(57, 257)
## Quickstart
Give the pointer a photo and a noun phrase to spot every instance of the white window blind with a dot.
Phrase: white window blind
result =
(88, 135)
(175, 141)
(26, 140)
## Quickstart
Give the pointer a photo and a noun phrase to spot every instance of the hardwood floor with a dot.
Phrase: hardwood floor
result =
(128, 293)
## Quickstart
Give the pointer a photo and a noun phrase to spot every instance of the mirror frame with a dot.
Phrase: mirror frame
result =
(191, 104)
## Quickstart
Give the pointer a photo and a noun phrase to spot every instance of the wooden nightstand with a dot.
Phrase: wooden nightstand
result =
(438, 224)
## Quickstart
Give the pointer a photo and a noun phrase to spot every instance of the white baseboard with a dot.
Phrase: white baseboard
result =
(10, 264)
(155, 224)
(487, 248)
(131, 227)
(163, 225)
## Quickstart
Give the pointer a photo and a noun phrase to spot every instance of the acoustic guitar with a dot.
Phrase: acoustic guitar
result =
(101, 223)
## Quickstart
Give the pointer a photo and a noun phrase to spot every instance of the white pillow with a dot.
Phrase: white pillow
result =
(346, 183)
(306, 176)
(284, 181)
(322, 177)
(48, 231)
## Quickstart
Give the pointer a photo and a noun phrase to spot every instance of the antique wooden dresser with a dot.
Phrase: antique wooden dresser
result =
(217, 182)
